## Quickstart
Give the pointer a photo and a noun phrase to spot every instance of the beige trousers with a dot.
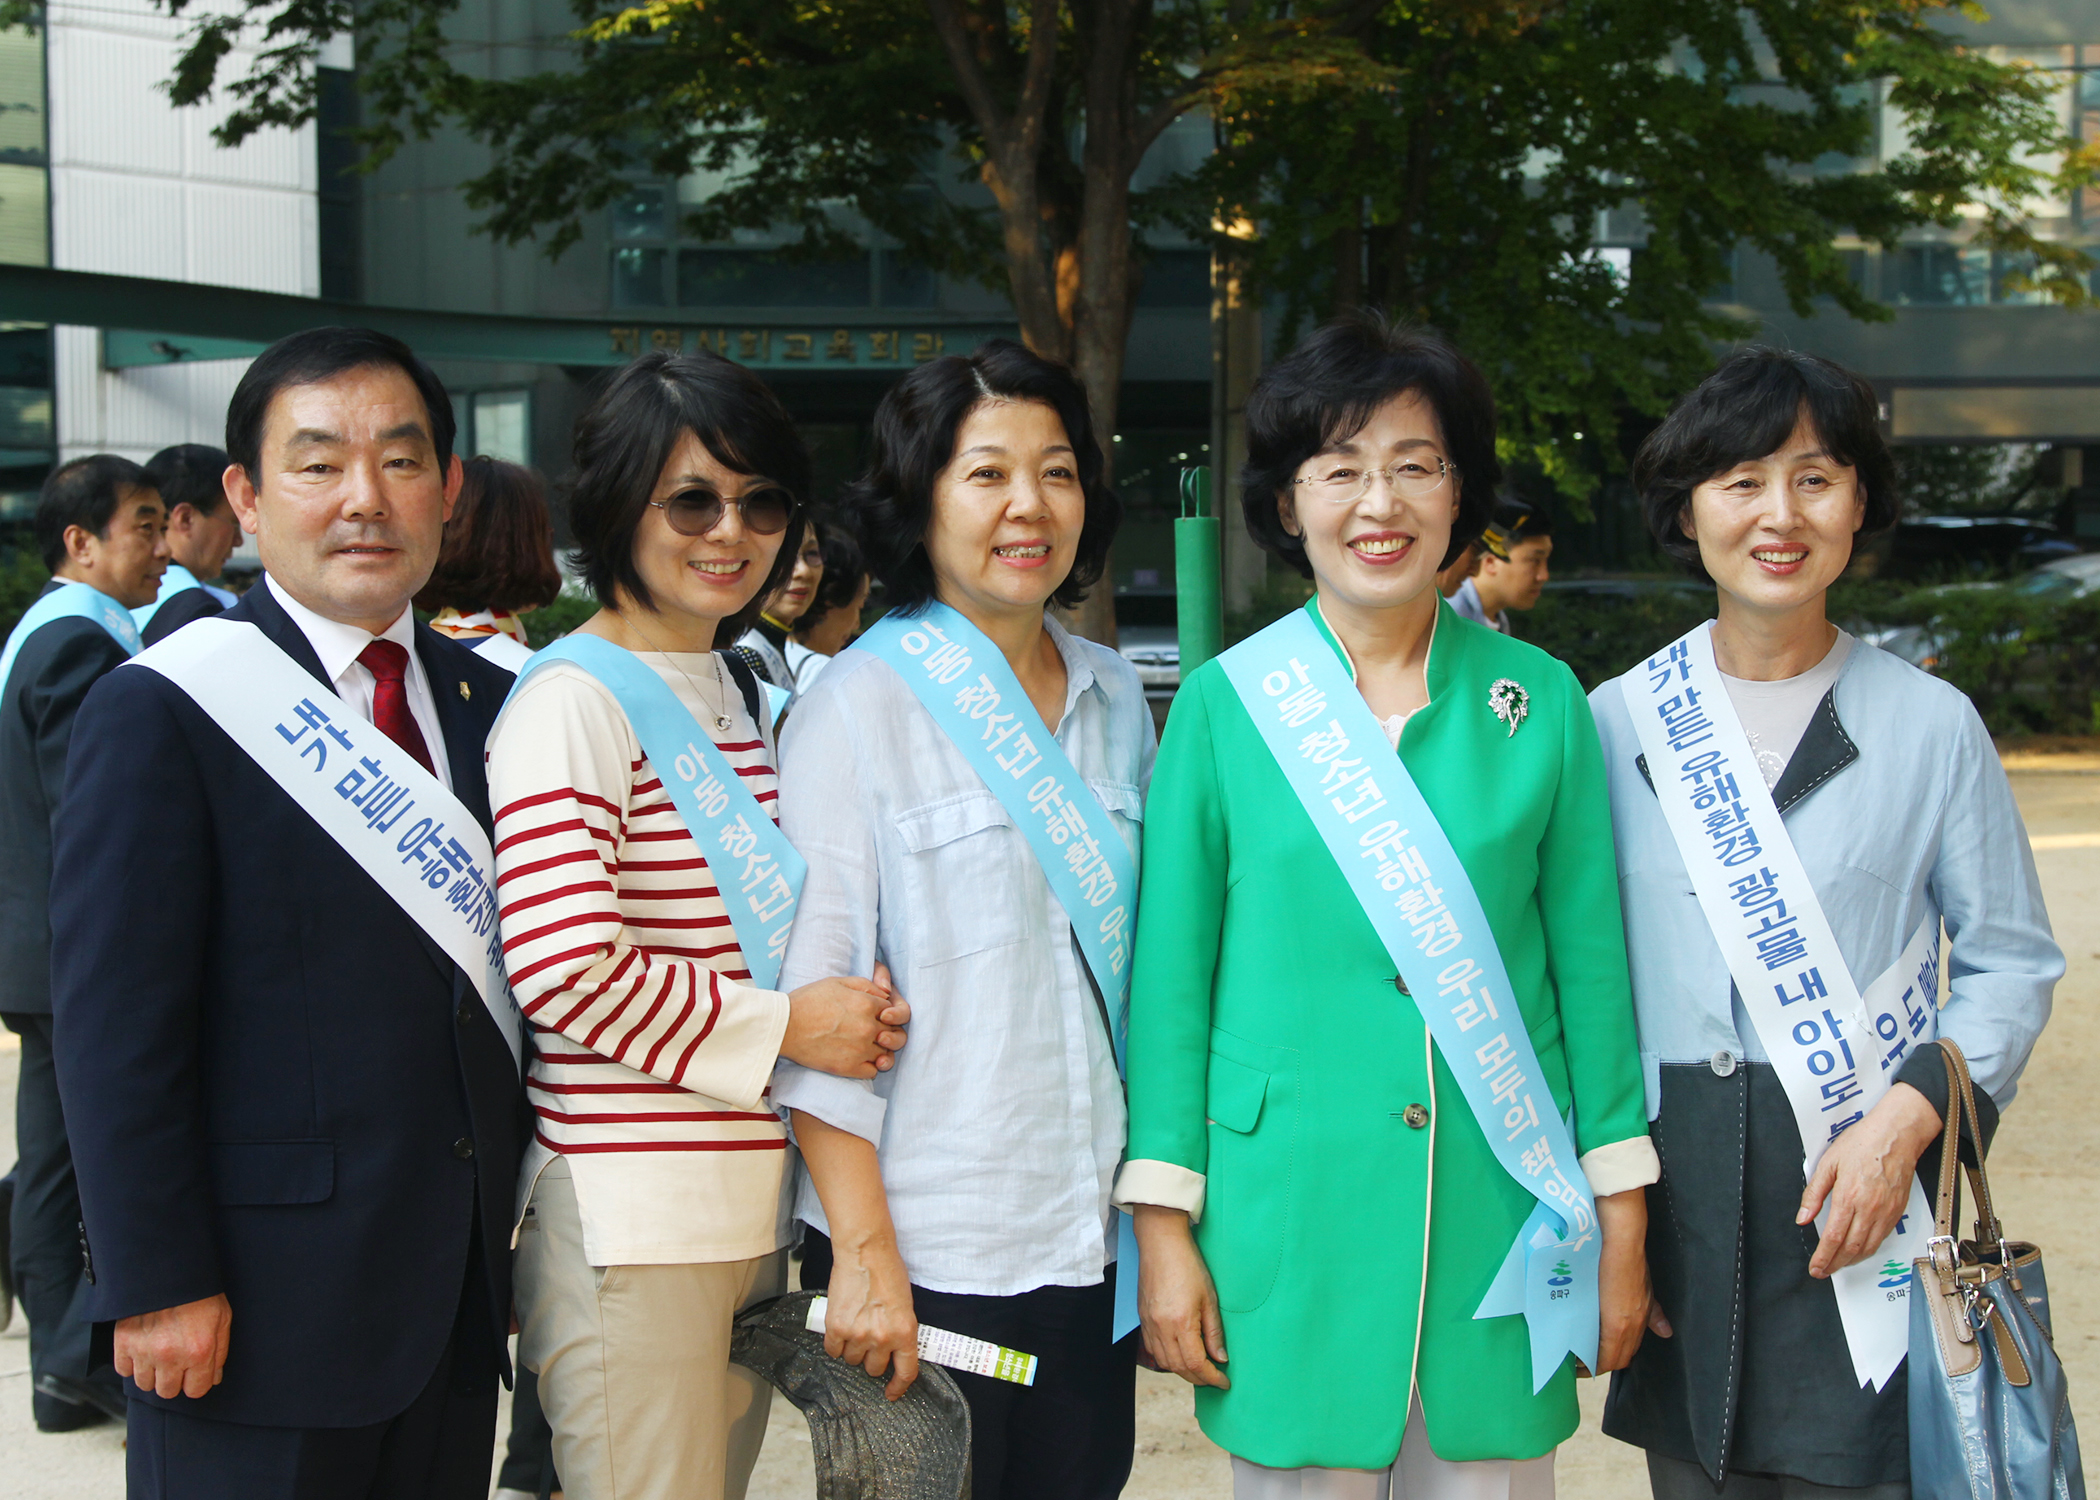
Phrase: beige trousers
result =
(634, 1361)
(1417, 1474)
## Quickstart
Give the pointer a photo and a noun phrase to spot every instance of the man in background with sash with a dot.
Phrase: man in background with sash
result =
(202, 533)
(101, 530)
(296, 1091)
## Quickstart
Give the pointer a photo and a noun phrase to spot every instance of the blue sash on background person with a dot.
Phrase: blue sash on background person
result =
(1835, 1049)
(174, 581)
(1419, 898)
(756, 869)
(72, 599)
(966, 684)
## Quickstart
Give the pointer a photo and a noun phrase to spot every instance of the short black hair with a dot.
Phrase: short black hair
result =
(82, 492)
(629, 432)
(192, 474)
(316, 354)
(1326, 389)
(1747, 409)
(914, 440)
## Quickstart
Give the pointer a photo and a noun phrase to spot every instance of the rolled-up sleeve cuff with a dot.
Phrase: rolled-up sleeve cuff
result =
(1622, 1166)
(846, 1104)
(1161, 1184)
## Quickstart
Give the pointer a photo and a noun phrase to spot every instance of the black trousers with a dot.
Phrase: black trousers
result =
(440, 1448)
(528, 1456)
(1069, 1436)
(45, 1225)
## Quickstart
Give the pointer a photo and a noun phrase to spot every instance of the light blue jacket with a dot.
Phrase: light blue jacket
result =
(1908, 816)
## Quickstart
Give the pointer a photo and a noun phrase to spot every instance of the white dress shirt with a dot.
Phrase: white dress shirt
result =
(1001, 1127)
(338, 646)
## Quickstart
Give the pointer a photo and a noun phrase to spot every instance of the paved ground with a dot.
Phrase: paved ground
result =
(2043, 1169)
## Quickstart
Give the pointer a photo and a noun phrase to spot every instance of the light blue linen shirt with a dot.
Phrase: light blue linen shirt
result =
(1001, 1127)
(1922, 825)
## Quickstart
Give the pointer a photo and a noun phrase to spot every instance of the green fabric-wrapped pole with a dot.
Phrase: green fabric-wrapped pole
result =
(1199, 602)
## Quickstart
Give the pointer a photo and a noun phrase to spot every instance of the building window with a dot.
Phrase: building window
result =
(494, 424)
(638, 276)
(1176, 278)
(651, 268)
(1955, 276)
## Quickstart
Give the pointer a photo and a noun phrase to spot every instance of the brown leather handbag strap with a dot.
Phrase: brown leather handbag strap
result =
(1948, 1199)
(1988, 1229)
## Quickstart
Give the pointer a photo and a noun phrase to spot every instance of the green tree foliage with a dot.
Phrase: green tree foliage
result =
(1466, 184)
(1450, 160)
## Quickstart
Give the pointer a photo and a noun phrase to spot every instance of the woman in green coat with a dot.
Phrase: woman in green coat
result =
(1311, 1187)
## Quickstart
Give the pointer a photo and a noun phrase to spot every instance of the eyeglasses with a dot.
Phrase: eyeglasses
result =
(1411, 478)
(696, 512)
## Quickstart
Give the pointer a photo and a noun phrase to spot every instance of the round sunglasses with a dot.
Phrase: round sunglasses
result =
(695, 512)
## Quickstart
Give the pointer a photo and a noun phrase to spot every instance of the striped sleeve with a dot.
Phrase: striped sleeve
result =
(615, 937)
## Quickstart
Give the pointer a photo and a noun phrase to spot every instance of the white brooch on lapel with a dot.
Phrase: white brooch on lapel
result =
(1509, 701)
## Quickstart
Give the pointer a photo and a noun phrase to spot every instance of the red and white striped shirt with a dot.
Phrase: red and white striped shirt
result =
(654, 1049)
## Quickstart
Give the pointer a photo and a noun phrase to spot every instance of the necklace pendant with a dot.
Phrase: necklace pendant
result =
(722, 721)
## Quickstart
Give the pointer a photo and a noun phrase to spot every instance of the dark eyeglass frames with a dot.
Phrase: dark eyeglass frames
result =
(695, 512)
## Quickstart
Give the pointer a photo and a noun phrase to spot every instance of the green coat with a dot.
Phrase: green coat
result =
(1271, 1051)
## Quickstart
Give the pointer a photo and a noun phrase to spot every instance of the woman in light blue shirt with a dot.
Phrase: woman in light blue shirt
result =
(969, 1187)
(1894, 800)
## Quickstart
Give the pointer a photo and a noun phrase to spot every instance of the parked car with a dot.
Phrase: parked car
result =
(1147, 633)
(2063, 579)
(1945, 547)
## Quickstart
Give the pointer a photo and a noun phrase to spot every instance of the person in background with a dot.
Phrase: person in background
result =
(202, 533)
(1463, 567)
(103, 534)
(1762, 482)
(1513, 572)
(650, 1206)
(296, 1116)
(968, 1189)
(764, 645)
(833, 617)
(497, 562)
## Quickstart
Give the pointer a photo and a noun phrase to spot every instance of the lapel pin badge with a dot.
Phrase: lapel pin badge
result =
(1509, 702)
(466, 692)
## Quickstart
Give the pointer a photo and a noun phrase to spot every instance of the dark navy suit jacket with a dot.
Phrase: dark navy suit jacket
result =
(276, 1086)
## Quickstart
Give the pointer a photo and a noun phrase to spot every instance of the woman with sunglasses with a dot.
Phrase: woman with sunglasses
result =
(966, 782)
(1378, 966)
(645, 895)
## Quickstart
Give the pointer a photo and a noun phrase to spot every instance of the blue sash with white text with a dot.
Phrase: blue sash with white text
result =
(965, 683)
(71, 600)
(1390, 848)
(756, 869)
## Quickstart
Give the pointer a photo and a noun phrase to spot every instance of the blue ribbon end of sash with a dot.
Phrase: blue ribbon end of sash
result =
(1552, 1283)
(1126, 1278)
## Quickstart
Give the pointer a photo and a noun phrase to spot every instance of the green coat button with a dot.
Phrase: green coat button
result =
(1416, 1115)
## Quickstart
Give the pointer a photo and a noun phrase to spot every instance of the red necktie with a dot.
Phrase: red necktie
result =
(387, 661)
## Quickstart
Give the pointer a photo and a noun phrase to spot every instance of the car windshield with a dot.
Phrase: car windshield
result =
(2046, 582)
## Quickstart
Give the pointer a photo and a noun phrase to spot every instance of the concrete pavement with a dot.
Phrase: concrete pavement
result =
(2043, 1170)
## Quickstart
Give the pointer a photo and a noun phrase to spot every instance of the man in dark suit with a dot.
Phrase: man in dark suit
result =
(202, 533)
(298, 1125)
(100, 527)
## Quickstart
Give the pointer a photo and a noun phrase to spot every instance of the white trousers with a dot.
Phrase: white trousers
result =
(634, 1361)
(1417, 1474)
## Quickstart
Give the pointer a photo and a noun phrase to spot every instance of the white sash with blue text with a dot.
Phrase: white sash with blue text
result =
(71, 600)
(1836, 1050)
(395, 819)
(756, 869)
(966, 684)
(1389, 846)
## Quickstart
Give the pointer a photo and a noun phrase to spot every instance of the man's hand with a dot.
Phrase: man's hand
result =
(178, 1351)
(1625, 1306)
(1866, 1176)
(1184, 1332)
(868, 1320)
(850, 1027)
